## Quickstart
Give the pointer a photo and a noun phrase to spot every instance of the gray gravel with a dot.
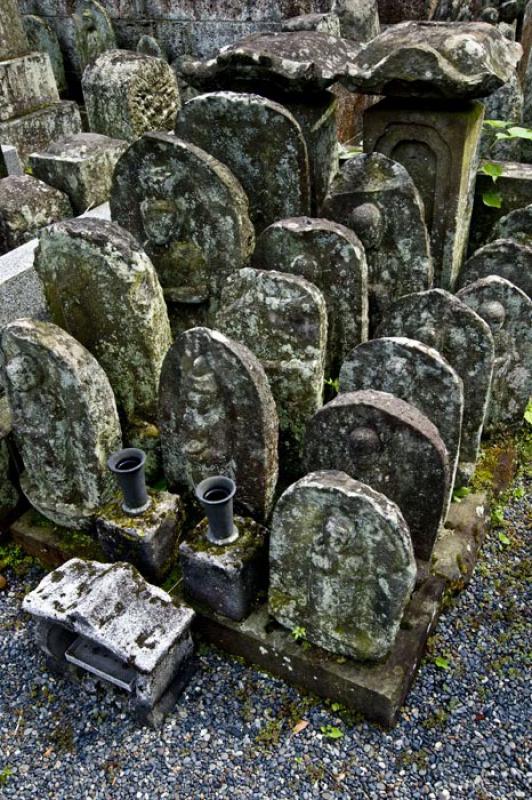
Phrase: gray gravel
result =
(462, 733)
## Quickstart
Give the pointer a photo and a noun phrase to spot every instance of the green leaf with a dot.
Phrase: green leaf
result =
(331, 732)
(503, 539)
(299, 633)
(492, 199)
(458, 494)
(496, 123)
(336, 706)
(334, 383)
(528, 413)
(520, 133)
(442, 663)
(497, 516)
(493, 170)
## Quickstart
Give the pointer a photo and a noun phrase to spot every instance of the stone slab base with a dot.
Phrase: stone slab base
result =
(36, 131)
(376, 690)
(51, 544)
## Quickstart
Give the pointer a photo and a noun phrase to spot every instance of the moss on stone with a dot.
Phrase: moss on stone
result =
(250, 538)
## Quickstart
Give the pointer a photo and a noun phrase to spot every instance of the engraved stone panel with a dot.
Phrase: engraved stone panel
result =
(332, 257)
(440, 320)
(217, 417)
(341, 565)
(64, 421)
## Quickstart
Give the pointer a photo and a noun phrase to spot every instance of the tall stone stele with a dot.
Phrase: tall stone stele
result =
(102, 288)
(341, 565)
(430, 74)
(217, 416)
(394, 448)
(508, 312)
(442, 321)
(282, 318)
(65, 421)
(31, 114)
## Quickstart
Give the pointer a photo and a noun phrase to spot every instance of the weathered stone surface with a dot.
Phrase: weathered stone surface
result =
(300, 62)
(9, 492)
(148, 541)
(149, 46)
(65, 421)
(82, 166)
(102, 289)
(13, 41)
(51, 544)
(341, 565)
(375, 197)
(504, 104)
(507, 258)
(283, 320)
(322, 23)
(10, 163)
(84, 35)
(439, 146)
(515, 188)
(127, 94)
(434, 60)
(38, 129)
(516, 225)
(440, 320)
(508, 312)
(227, 578)
(26, 84)
(260, 142)
(415, 373)
(26, 206)
(145, 631)
(43, 39)
(359, 19)
(217, 417)
(391, 12)
(394, 448)
(189, 212)
(332, 257)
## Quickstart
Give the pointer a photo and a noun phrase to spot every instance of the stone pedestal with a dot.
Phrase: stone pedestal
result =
(81, 166)
(148, 541)
(226, 578)
(106, 620)
(438, 143)
(31, 115)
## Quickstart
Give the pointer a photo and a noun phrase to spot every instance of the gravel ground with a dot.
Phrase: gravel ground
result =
(462, 733)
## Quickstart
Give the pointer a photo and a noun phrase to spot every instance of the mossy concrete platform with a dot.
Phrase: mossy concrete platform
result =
(377, 690)
(51, 544)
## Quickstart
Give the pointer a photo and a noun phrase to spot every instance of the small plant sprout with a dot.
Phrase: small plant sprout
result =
(331, 732)
(299, 633)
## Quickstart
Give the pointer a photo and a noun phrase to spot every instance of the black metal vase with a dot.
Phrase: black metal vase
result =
(128, 466)
(216, 498)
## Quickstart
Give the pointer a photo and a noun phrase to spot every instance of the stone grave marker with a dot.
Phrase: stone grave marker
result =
(260, 142)
(376, 197)
(516, 225)
(13, 40)
(332, 257)
(27, 205)
(42, 38)
(127, 94)
(440, 320)
(508, 258)
(394, 448)
(415, 373)
(341, 565)
(283, 320)
(103, 289)
(189, 213)
(81, 165)
(508, 312)
(10, 163)
(84, 35)
(217, 416)
(359, 19)
(65, 421)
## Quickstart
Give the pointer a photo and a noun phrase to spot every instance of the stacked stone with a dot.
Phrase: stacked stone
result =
(31, 114)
